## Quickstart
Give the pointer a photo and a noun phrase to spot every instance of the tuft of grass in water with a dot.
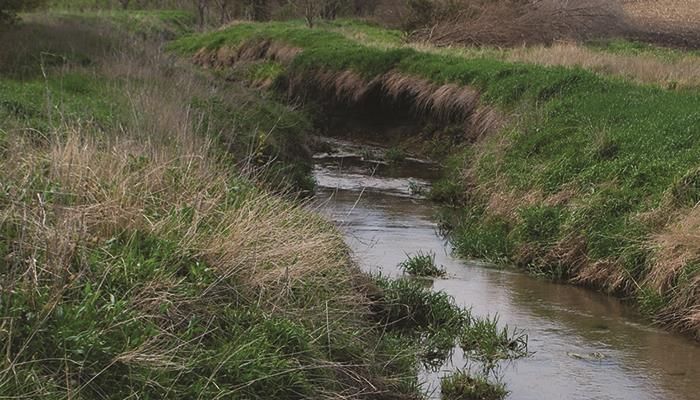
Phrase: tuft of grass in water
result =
(395, 155)
(438, 324)
(460, 385)
(431, 319)
(422, 264)
(406, 303)
(416, 189)
(484, 341)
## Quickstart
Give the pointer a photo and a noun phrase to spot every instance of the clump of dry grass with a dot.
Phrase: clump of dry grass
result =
(674, 272)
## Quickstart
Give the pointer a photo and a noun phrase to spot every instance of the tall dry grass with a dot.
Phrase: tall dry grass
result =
(674, 274)
(158, 162)
(680, 72)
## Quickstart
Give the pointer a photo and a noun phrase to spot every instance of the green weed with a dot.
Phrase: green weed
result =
(650, 301)
(484, 341)
(483, 236)
(408, 304)
(395, 155)
(540, 224)
(422, 264)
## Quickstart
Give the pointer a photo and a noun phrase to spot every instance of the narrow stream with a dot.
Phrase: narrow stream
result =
(374, 206)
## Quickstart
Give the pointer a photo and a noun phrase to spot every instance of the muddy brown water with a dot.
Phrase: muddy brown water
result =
(383, 220)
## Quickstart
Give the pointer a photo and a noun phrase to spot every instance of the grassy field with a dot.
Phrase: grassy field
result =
(590, 177)
(151, 245)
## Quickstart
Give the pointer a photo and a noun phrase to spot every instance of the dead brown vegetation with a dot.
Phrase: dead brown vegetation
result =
(677, 256)
(673, 23)
(681, 72)
(447, 103)
(664, 12)
(512, 22)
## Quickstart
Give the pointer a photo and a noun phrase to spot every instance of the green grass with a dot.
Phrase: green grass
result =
(367, 33)
(485, 341)
(422, 264)
(73, 96)
(633, 48)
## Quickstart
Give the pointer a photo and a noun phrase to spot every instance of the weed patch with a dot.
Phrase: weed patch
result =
(485, 341)
(422, 264)
(395, 155)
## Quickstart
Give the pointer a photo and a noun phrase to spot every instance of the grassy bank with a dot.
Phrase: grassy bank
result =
(572, 175)
(140, 257)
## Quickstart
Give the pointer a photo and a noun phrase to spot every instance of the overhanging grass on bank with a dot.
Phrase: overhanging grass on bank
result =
(579, 184)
